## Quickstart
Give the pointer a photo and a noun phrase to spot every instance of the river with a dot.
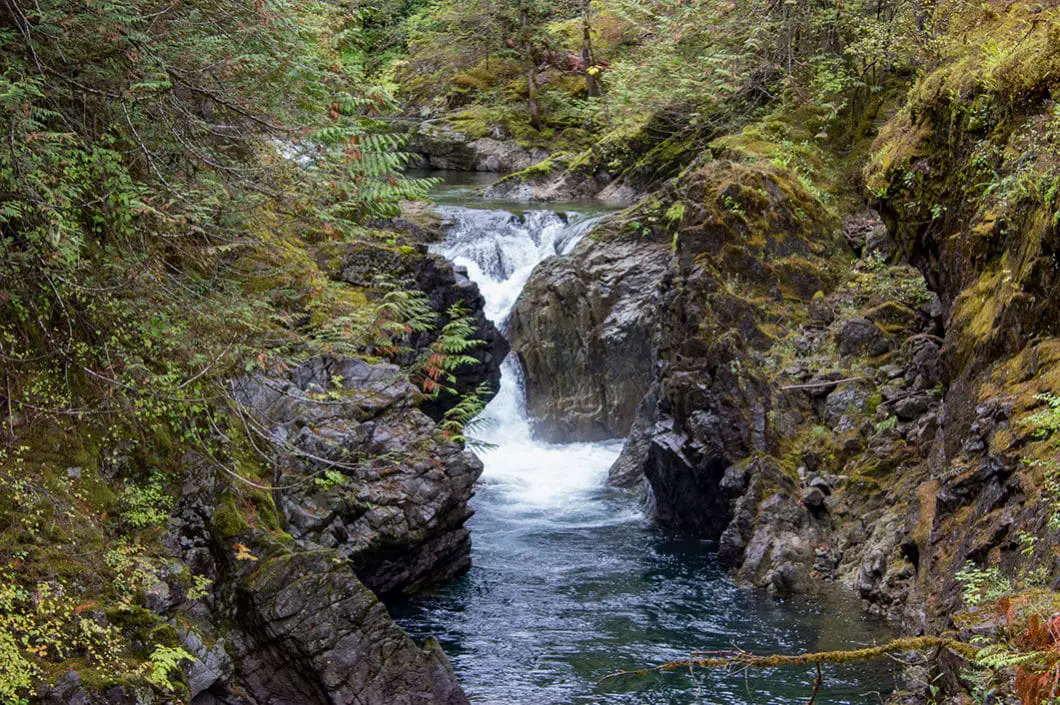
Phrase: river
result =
(570, 582)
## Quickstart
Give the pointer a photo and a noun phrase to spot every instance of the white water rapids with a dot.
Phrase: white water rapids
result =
(531, 475)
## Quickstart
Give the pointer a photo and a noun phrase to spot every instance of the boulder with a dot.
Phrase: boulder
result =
(585, 330)
(286, 620)
(814, 499)
(686, 485)
(315, 635)
(395, 502)
(446, 148)
(860, 336)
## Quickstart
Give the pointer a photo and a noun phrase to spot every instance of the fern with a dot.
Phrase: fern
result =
(449, 352)
(165, 664)
(1000, 656)
(466, 419)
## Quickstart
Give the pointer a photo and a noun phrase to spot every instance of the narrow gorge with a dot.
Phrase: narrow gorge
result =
(512, 352)
(570, 581)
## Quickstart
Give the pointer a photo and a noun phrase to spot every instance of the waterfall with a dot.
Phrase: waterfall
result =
(500, 250)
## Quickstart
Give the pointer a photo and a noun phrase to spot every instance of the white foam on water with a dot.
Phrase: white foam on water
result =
(500, 250)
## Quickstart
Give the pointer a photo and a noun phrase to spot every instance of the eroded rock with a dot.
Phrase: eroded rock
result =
(585, 330)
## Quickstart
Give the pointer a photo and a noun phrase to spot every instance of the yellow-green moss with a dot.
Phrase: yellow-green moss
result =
(228, 520)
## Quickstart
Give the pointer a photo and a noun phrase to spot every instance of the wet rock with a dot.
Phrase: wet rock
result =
(686, 485)
(910, 407)
(779, 555)
(419, 219)
(814, 499)
(299, 627)
(397, 511)
(320, 636)
(924, 370)
(585, 330)
(447, 285)
(848, 398)
(628, 470)
(445, 148)
(444, 285)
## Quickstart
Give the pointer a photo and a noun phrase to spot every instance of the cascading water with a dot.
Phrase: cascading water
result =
(569, 582)
(530, 476)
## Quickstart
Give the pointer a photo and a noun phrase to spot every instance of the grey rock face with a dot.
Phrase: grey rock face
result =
(445, 148)
(686, 485)
(446, 285)
(628, 470)
(337, 643)
(585, 331)
(300, 628)
(399, 520)
(565, 186)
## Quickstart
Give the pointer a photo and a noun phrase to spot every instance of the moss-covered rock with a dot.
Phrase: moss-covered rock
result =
(965, 176)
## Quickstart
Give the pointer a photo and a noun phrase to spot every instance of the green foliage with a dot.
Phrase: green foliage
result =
(448, 352)
(890, 423)
(465, 419)
(331, 479)
(44, 624)
(981, 585)
(16, 673)
(145, 505)
(1046, 422)
(172, 172)
(166, 665)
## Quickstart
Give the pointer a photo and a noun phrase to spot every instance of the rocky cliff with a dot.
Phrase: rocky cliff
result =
(322, 488)
(965, 176)
(835, 395)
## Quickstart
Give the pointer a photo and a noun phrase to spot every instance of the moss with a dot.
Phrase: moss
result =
(266, 510)
(537, 173)
(228, 520)
(873, 403)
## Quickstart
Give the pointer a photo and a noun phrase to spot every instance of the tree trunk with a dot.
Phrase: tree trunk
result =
(531, 67)
(592, 83)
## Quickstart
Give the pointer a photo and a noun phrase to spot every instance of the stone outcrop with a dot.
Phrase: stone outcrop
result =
(302, 628)
(989, 248)
(618, 170)
(444, 147)
(585, 331)
(549, 182)
(330, 489)
(395, 510)
(787, 379)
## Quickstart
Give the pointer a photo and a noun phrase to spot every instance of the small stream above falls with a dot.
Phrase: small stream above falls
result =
(569, 581)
